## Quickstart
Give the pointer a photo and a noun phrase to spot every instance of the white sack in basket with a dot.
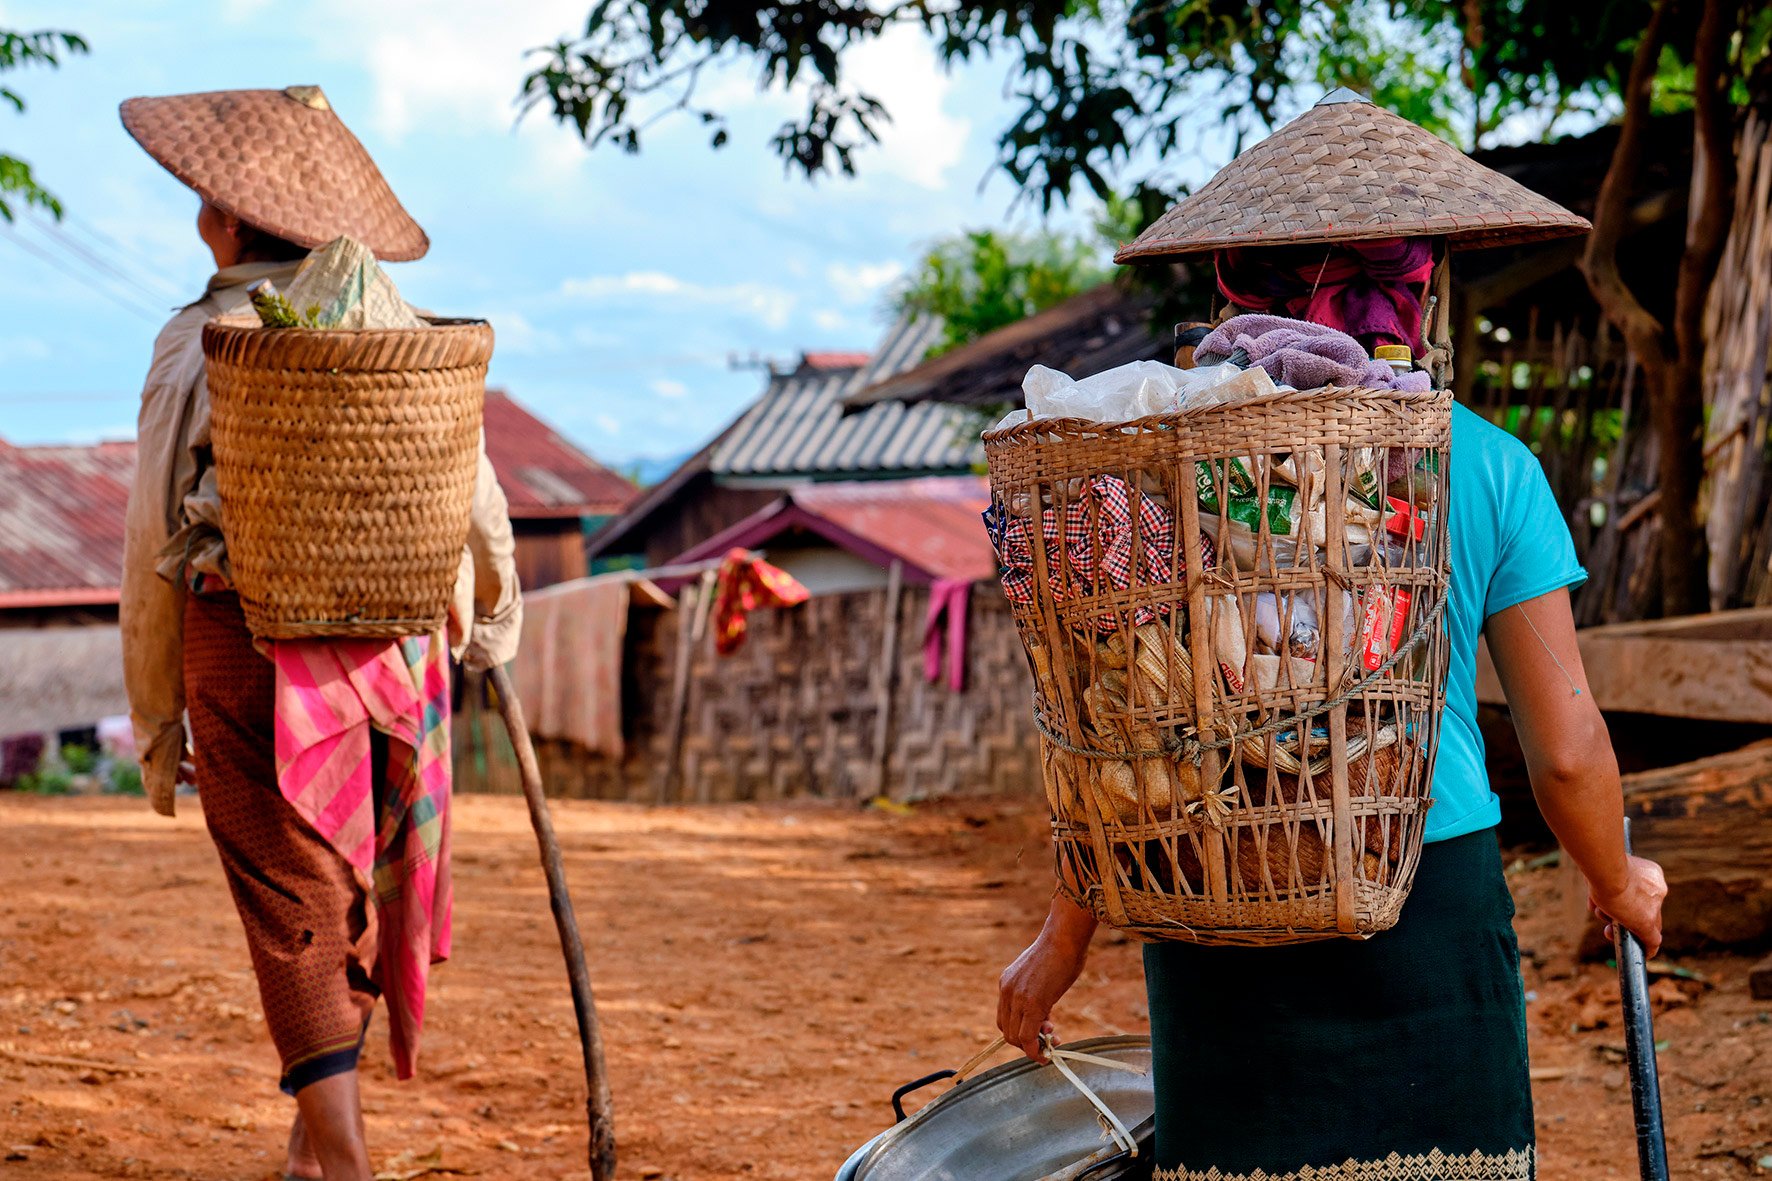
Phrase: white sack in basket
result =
(343, 280)
(1138, 389)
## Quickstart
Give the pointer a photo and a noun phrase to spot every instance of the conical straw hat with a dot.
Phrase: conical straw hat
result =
(1345, 170)
(279, 159)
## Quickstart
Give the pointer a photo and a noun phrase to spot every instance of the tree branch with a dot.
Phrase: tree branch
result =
(1713, 179)
(1599, 262)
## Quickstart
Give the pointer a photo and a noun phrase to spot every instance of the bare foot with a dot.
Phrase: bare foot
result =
(301, 1161)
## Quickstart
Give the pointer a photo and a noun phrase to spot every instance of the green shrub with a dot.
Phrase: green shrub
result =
(47, 781)
(79, 759)
(126, 779)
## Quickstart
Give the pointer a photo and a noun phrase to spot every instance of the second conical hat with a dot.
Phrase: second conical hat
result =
(1346, 170)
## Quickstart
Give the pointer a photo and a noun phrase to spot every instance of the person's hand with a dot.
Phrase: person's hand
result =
(1637, 904)
(1030, 986)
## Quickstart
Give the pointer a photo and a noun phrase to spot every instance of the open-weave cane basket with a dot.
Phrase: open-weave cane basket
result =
(345, 460)
(1234, 622)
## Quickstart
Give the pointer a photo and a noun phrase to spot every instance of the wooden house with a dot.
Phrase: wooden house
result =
(796, 433)
(877, 514)
(557, 493)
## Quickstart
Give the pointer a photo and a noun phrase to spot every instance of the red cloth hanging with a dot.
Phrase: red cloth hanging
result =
(746, 582)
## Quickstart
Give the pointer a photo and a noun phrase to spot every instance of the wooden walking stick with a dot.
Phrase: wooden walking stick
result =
(590, 1037)
(1639, 1048)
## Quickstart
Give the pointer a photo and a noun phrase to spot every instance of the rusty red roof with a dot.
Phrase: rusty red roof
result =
(61, 523)
(542, 474)
(932, 525)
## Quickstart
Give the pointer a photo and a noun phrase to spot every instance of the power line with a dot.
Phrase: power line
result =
(57, 265)
(53, 236)
(89, 230)
(151, 289)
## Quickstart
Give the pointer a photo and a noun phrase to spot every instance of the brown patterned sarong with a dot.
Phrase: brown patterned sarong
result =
(308, 924)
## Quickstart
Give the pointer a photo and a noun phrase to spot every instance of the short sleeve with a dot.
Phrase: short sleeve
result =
(1537, 553)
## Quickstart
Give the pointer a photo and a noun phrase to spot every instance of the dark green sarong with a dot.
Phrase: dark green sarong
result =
(1400, 1058)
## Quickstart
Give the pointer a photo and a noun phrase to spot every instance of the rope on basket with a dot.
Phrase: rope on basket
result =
(1195, 750)
(1060, 1057)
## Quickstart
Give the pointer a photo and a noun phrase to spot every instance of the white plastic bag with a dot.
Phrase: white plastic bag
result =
(1138, 389)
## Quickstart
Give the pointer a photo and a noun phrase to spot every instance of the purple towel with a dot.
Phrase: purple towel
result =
(1305, 355)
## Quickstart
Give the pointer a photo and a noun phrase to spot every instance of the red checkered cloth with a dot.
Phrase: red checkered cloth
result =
(1090, 543)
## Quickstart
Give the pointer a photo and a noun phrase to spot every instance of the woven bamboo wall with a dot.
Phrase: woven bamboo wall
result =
(794, 712)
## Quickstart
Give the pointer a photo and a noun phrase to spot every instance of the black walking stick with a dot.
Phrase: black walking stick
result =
(590, 1036)
(1639, 1047)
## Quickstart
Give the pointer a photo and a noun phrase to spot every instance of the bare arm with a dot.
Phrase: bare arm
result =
(1042, 974)
(1569, 757)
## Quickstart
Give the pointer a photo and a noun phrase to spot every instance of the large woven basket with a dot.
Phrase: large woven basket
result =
(1234, 621)
(345, 460)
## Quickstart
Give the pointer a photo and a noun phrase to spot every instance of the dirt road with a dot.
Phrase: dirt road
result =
(766, 976)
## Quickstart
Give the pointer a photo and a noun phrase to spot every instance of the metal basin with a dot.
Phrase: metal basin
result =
(1021, 1122)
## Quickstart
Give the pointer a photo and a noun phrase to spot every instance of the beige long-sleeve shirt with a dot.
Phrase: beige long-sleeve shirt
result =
(174, 525)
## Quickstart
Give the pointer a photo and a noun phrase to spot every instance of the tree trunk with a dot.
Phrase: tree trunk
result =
(1672, 355)
(1709, 825)
(1685, 564)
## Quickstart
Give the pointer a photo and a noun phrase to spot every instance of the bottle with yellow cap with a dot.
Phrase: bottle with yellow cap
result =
(1397, 356)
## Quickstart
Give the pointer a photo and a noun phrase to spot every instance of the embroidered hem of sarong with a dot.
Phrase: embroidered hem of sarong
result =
(1513, 1165)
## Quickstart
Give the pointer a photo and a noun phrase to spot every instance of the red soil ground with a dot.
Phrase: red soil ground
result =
(766, 976)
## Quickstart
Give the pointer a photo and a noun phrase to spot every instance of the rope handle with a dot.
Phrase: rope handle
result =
(1061, 1058)
(1195, 750)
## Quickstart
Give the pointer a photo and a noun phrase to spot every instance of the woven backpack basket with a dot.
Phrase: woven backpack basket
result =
(1234, 621)
(345, 460)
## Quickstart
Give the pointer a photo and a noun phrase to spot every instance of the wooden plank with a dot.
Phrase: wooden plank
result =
(1708, 823)
(1759, 980)
(1717, 667)
(887, 673)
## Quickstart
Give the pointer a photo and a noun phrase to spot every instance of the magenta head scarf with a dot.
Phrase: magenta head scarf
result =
(1370, 290)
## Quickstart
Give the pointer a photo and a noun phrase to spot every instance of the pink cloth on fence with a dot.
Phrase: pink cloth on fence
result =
(568, 667)
(330, 695)
(948, 601)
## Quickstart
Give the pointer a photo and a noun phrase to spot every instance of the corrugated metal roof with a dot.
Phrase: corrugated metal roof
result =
(61, 523)
(542, 474)
(798, 428)
(935, 523)
(932, 524)
(1086, 334)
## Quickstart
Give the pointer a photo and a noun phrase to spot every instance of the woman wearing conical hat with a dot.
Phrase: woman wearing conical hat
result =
(278, 174)
(1401, 1057)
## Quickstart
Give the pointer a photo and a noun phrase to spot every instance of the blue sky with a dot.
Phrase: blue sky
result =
(619, 285)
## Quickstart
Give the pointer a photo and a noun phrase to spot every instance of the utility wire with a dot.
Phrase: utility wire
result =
(100, 238)
(57, 264)
(152, 290)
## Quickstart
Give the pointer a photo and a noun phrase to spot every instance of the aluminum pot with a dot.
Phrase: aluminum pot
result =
(1018, 1122)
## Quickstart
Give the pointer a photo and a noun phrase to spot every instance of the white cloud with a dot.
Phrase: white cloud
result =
(770, 305)
(23, 348)
(830, 320)
(923, 141)
(860, 282)
(516, 334)
(446, 60)
(608, 424)
(239, 11)
(666, 387)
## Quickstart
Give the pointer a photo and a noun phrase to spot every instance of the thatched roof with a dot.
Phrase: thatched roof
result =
(59, 678)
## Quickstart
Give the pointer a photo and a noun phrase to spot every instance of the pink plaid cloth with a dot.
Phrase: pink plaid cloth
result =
(330, 694)
(1091, 544)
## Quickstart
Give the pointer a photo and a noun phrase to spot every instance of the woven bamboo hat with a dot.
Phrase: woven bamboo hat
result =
(1345, 170)
(280, 159)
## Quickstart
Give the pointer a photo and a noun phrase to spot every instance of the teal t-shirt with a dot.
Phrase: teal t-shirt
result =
(1509, 544)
